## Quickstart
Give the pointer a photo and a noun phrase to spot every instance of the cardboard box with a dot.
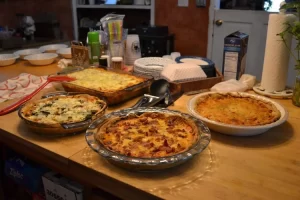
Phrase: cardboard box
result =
(24, 172)
(58, 187)
(234, 57)
(193, 86)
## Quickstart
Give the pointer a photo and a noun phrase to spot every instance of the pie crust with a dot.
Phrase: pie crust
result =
(236, 109)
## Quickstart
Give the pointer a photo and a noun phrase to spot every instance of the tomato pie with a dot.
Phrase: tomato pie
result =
(149, 135)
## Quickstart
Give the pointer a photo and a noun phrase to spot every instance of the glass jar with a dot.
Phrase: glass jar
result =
(296, 93)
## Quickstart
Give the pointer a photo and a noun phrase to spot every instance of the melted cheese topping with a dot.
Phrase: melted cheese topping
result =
(63, 109)
(104, 81)
(150, 135)
(237, 110)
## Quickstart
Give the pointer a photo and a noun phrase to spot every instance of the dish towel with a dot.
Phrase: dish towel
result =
(20, 86)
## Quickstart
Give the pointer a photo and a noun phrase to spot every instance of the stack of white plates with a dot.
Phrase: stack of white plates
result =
(151, 66)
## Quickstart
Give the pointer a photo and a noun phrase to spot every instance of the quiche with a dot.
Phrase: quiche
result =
(104, 81)
(63, 109)
(236, 109)
(149, 135)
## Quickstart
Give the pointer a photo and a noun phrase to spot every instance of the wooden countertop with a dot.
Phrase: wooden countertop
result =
(266, 166)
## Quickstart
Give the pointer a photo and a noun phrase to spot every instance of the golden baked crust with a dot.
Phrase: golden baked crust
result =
(104, 81)
(236, 110)
(150, 135)
(63, 109)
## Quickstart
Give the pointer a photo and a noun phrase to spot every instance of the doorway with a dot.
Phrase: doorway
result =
(252, 22)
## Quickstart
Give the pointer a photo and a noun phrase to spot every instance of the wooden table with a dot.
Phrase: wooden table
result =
(259, 167)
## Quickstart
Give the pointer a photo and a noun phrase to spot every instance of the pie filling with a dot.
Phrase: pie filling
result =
(104, 81)
(150, 135)
(236, 110)
(63, 109)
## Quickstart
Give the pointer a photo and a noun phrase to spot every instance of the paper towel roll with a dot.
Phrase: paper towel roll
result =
(276, 61)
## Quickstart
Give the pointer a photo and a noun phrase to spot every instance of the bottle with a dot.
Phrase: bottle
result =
(94, 47)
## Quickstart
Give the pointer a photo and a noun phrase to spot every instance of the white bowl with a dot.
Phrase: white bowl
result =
(7, 59)
(65, 52)
(26, 52)
(234, 129)
(41, 59)
(52, 48)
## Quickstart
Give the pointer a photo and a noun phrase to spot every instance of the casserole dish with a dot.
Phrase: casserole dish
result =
(62, 113)
(112, 86)
(248, 119)
(157, 161)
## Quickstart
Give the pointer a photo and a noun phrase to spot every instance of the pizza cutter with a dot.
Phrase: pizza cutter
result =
(159, 95)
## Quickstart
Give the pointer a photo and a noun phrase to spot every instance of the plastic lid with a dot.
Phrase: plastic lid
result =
(117, 59)
(93, 36)
(105, 56)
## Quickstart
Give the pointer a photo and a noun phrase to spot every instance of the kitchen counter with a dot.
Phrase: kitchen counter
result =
(266, 166)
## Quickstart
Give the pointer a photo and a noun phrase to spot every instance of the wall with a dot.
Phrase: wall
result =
(62, 9)
(189, 24)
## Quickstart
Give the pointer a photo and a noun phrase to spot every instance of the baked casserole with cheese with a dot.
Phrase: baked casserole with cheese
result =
(115, 87)
(149, 135)
(236, 109)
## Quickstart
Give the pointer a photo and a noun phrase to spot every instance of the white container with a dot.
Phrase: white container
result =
(133, 49)
(139, 2)
(65, 52)
(7, 59)
(41, 59)
(26, 52)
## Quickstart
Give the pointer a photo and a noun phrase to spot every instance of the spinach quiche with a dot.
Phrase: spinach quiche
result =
(229, 108)
(149, 135)
(63, 109)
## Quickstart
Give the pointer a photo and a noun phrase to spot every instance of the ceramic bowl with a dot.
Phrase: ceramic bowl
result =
(52, 48)
(27, 52)
(235, 129)
(65, 52)
(7, 59)
(41, 59)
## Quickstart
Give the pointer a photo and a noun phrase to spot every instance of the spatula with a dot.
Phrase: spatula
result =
(28, 97)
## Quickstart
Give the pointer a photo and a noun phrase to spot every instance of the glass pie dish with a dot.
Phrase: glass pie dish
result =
(60, 129)
(147, 164)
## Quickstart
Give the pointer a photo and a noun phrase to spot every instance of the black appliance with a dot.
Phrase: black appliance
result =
(155, 41)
